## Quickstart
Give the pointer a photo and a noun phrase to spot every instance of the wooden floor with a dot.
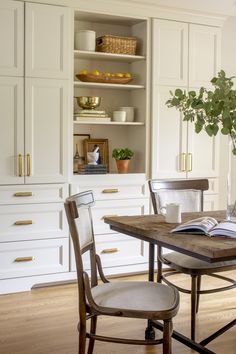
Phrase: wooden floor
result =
(44, 321)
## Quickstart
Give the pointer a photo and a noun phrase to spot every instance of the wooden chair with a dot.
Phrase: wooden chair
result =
(189, 193)
(134, 299)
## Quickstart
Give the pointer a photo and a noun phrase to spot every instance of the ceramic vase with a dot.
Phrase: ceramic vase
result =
(231, 184)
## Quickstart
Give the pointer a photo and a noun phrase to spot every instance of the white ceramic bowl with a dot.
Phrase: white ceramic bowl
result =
(119, 116)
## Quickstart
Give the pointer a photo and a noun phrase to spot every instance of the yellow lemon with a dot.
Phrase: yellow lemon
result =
(83, 72)
(119, 75)
(127, 75)
(96, 72)
(107, 74)
(113, 75)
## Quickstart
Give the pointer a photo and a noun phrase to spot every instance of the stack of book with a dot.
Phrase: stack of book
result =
(92, 169)
(91, 115)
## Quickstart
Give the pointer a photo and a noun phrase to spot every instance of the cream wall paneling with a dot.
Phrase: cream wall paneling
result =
(11, 38)
(178, 152)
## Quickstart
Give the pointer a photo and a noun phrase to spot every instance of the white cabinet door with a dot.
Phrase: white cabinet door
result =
(169, 137)
(47, 41)
(204, 54)
(12, 130)
(170, 53)
(204, 152)
(11, 38)
(46, 135)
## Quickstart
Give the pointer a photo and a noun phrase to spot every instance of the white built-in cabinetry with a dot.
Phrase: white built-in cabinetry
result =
(186, 56)
(34, 101)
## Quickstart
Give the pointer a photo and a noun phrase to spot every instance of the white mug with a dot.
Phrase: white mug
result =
(172, 213)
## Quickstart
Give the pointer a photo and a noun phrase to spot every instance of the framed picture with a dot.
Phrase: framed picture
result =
(78, 146)
(91, 144)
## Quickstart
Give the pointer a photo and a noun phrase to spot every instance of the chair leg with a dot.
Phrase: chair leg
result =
(193, 305)
(93, 327)
(159, 266)
(167, 331)
(82, 338)
(198, 289)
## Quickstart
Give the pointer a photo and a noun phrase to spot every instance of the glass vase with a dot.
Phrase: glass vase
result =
(231, 183)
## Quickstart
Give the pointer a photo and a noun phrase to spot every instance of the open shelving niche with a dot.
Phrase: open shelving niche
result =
(125, 134)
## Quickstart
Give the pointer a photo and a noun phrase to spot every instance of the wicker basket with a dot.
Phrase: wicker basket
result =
(117, 45)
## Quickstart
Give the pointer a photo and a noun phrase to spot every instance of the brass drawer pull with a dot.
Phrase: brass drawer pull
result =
(20, 165)
(110, 190)
(183, 162)
(28, 164)
(107, 216)
(23, 222)
(23, 194)
(24, 259)
(189, 162)
(110, 250)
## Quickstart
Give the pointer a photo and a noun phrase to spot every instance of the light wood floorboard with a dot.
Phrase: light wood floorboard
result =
(44, 321)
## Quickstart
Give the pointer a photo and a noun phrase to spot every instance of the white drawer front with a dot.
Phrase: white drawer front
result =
(33, 194)
(30, 222)
(20, 259)
(116, 250)
(112, 191)
(118, 208)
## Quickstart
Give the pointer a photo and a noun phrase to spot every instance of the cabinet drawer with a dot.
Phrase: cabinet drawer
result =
(118, 208)
(108, 187)
(33, 194)
(116, 250)
(30, 222)
(29, 258)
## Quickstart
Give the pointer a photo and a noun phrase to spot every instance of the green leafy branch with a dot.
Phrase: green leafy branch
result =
(212, 111)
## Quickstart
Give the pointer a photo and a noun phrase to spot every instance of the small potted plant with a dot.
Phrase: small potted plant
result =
(122, 157)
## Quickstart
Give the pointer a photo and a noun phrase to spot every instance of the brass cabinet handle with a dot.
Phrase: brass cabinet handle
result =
(23, 194)
(20, 170)
(110, 190)
(28, 168)
(24, 259)
(183, 162)
(189, 162)
(110, 250)
(107, 216)
(23, 222)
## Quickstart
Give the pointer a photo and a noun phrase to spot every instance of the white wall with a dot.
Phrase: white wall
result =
(229, 66)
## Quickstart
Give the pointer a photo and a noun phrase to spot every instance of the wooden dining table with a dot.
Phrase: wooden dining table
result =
(154, 230)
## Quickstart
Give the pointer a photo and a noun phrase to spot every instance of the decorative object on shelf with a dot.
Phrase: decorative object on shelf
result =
(212, 111)
(78, 152)
(107, 78)
(93, 157)
(129, 113)
(122, 157)
(92, 169)
(102, 144)
(85, 40)
(116, 44)
(119, 116)
(88, 102)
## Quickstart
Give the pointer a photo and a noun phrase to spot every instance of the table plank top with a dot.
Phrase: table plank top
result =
(154, 229)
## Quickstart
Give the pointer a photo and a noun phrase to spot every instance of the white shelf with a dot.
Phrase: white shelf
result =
(107, 86)
(109, 123)
(82, 54)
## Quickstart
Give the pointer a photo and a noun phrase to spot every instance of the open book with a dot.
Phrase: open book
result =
(208, 226)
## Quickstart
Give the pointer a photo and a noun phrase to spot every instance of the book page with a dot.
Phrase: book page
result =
(225, 228)
(197, 226)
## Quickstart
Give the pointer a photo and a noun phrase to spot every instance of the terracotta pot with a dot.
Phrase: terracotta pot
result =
(122, 166)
